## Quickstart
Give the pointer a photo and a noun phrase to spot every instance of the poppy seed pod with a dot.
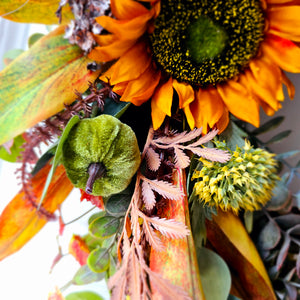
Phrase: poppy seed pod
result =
(101, 155)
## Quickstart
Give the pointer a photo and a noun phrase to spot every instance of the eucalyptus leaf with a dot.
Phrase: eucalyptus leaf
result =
(85, 275)
(83, 295)
(98, 260)
(232, 297)
(283, 251)
(287, 221)
(97, 215)
(115, 108)
(279, 137)
(198, 223)
(58, 154)
(44, 159)
(286, 155)
(281, 197)
(117, 204)
(104, 227)
(15, 150)
(215, 275)
(248, 219)
(34, 38)
(272, 124)
(234, 136)
(269, 236)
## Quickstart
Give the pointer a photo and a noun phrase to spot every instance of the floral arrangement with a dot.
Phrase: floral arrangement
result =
(148, 107)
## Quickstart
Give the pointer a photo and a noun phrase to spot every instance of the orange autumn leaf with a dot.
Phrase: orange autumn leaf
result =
(177, 261)
(228, 236)
(38, 83)
(34, 11)
(20, 220)
(79, 249)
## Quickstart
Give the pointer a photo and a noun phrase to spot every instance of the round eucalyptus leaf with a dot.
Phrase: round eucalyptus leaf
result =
(269, 237)
(104, 227)
(85, 276)
(118, 204)
(214, 274)
(280, 199)
(83, 295)
(98, 260)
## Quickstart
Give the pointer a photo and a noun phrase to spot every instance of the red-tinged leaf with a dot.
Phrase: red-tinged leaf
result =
(20, 220)
(38, 83)
(57, 295)
(231, 241)
(178, 262)
(34, 11)
(283, 251)
(95, 200)
(79, 249)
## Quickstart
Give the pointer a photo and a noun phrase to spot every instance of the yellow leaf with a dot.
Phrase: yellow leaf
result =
(38, 83)
(20, 220)
(230, 239)
(34, 11)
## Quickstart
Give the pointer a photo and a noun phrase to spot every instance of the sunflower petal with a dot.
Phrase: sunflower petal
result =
(207, 108)
(283, 52)
(189, 116)
(161, 103)
(128, 67)
(127, 9)
(239, 102)
(140, 90)
(185, 93)
(285, 22)
(289, 85)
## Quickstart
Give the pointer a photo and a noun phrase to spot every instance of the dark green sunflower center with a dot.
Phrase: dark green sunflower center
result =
(207, 42)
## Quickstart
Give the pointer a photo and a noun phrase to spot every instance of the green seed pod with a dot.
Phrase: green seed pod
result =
(101, 155)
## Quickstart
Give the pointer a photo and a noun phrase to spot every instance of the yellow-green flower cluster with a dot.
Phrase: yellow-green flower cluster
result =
(244, 182)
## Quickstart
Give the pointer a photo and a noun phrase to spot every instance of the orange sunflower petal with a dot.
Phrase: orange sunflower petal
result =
(264, 80)
(127, 9)
(189, 116)
(289, 85)
(207, 108)
(185, 93)
(161, 103)
(140, 90)
(285, 22)
(239, 101)
(283, 52)
(128, 67)
(223, 121)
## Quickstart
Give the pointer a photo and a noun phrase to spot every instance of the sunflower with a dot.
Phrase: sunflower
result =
(219, 56)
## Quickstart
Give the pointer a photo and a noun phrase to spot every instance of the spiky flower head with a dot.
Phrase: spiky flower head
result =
(244, 182)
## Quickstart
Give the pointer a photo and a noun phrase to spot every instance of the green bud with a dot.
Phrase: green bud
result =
(101, 155)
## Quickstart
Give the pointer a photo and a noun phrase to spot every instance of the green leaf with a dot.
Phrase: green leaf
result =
(44, 159)
(11, 55)
(279, 137)
(83, 295)
(38, 83)
(104, 227)
(115, 108)
(34, 38)
(98, 260)
(248, 219)
(85, 276)
(234, 136)
(58, 154)
(117, 204)
(270, 125)
(198, 223)
(231, 297)
(286, 155)
(15, 150)
(269, 236)
(281, 197)
(215, 275)
(95, 216)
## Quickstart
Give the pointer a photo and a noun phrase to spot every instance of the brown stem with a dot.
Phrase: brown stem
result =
(96, 171)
